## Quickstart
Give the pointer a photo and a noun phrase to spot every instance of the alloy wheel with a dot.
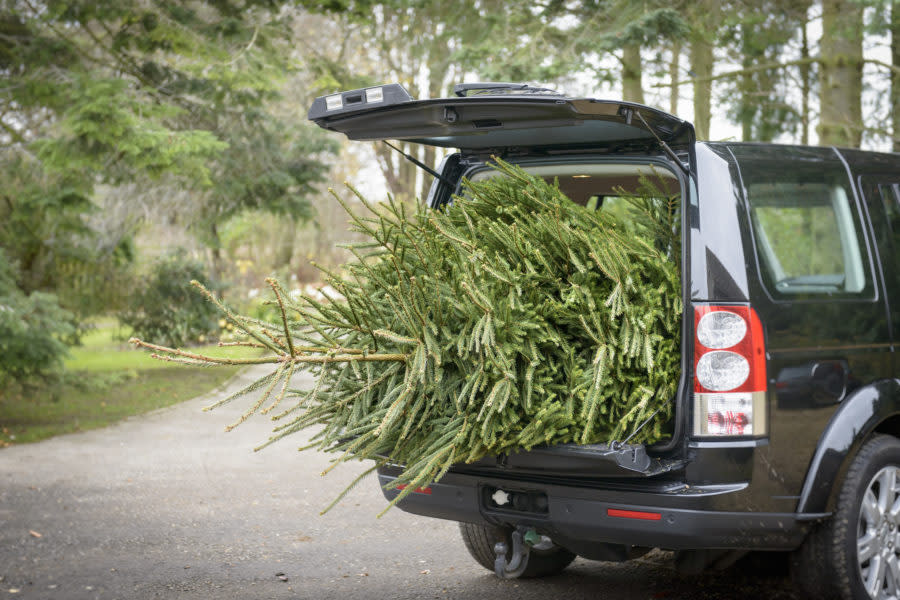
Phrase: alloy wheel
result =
(878, 535)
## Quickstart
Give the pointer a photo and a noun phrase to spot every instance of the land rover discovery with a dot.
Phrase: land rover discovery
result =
(787, 416)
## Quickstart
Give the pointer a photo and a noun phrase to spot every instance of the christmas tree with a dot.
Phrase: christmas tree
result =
(508, 319)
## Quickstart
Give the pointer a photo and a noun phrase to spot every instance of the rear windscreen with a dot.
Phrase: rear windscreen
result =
(603, 186)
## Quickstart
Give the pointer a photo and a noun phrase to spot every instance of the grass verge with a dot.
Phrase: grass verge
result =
(106, 381)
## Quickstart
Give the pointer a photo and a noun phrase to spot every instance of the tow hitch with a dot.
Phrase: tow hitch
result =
(523, 540)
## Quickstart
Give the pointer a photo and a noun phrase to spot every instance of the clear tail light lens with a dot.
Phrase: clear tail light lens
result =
(722, 370)
(729, 372)
(721, 329)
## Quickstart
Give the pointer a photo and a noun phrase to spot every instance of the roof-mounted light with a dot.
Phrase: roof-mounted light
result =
(334, 102)
(343, 103)
(375, 95)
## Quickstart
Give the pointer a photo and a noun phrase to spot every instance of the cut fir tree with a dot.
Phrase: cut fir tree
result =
(508, 319)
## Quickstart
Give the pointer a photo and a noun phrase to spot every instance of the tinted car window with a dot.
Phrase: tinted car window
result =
(806, 230)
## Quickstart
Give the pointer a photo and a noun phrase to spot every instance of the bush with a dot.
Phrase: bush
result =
(31, 330)
(166, 308)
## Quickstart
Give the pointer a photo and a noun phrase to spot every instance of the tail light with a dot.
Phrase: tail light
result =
(729, 372)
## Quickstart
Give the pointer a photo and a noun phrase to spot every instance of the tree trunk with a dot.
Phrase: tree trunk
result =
(805, 79)
(895, 76)
(674, 77)
(840, 122)
(430, 159)
(632, 90)
(702, 61)
(746, 86)
(408, 173)
(702, 67)
(215, 247)
(284, 245)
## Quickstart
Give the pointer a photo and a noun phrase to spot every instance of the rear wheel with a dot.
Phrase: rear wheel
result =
(480, 541)
(856, 554)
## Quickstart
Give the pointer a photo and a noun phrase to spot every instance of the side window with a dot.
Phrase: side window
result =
(887, 194)
(882, 199)
(806, 226)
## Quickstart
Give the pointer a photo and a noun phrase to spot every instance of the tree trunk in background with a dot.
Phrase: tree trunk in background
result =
(674, 76)
(805, 83)
(632, 90)
(840, 121)
(746, 86)
(215, 247)
(396, 170)
(429, 160)
(408, 171)
(895, 76)
(702, 61)
(285, 242)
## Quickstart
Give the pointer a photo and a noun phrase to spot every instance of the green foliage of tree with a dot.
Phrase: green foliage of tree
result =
(172, 96)
(165, 308)
(758, 34)
(32, 327)
(511, 319)
(43, 230)
(620, 29)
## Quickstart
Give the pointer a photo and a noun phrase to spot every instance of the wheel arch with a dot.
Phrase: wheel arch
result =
(869, 410)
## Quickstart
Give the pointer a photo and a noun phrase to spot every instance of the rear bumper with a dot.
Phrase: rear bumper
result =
(674, 517)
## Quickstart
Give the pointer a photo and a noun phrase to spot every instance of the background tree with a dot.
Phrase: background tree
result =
(32, 327)
(704, 17)
(176, 98)
(841, 59)
(758, 35)
(118, 91)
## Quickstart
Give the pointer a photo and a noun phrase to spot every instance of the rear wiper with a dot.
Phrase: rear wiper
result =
(421, 165)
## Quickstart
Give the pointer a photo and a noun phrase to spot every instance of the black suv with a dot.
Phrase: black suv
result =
(787, 416)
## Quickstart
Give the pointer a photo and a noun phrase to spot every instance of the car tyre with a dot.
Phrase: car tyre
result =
(480, 541)
(855, 555)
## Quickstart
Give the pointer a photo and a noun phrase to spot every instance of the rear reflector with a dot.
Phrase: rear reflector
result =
(633, 514)
(418, 490)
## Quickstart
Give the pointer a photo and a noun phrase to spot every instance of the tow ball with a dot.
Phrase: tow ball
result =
(523, 540)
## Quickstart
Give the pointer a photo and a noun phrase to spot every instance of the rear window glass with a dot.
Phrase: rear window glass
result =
(599, 186)
(807, 232)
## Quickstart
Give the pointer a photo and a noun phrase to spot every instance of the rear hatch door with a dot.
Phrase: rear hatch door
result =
(486, 122)
(533, 124)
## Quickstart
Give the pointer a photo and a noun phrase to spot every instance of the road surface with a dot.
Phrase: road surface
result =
(168, 505)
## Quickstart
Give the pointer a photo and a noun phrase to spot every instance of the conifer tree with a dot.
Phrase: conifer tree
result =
(510, 319)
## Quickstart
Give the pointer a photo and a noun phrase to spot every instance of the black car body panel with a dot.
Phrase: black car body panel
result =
(860, 414)
(830, 362)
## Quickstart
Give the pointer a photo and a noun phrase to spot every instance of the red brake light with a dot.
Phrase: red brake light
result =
(751, 347)
(730, 372)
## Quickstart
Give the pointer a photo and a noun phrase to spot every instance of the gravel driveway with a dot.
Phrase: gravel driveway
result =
(167, 505)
